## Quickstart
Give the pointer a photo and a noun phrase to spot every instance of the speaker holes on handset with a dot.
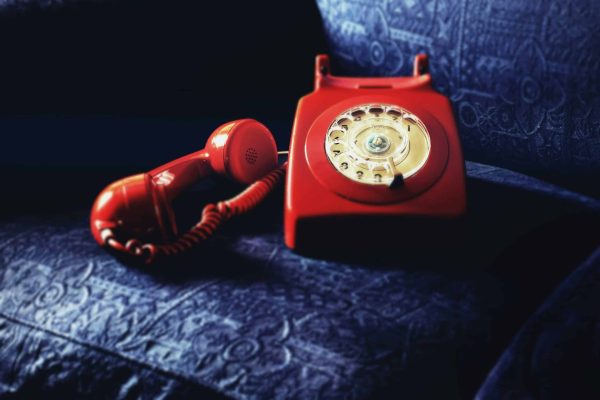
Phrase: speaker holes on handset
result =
(251, 155)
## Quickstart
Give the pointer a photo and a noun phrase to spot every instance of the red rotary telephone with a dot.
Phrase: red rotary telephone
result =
(366, 155)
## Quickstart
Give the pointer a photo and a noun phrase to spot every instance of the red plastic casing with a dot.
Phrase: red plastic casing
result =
(324, 209)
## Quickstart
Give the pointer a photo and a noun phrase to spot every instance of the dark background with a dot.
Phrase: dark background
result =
(90, 91)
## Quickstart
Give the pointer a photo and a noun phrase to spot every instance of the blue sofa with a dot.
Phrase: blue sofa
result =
(510, 312)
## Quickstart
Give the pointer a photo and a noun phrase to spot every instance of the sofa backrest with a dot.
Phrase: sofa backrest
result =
(523, 76)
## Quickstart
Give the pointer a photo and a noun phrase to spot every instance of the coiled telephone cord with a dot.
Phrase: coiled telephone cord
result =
(213, 215)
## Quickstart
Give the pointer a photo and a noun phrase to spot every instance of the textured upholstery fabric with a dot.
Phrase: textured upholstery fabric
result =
(248, 318)
(556, 355)
(523, 75)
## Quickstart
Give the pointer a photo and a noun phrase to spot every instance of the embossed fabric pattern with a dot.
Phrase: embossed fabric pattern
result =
(301, 329)
(249, 318)
(311, 329)
(523, 76)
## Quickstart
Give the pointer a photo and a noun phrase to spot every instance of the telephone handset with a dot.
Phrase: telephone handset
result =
(366, 154)
(134, 216)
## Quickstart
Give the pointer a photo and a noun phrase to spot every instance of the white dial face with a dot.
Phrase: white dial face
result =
(377, 144)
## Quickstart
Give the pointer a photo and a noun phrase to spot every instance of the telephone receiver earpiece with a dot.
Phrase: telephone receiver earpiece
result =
(139, 206)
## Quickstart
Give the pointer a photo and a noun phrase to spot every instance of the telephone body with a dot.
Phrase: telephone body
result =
(368, 155)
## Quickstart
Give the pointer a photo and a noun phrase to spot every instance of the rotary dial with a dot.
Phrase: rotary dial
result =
(377, 144)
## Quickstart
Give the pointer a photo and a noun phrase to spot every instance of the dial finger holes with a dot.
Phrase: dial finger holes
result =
(337, 136)
(376, 111)
(358, 115)
(395, 114)
(366, 176)
(344, 123)
(362, 164)
(410, 118)
(337, 149)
